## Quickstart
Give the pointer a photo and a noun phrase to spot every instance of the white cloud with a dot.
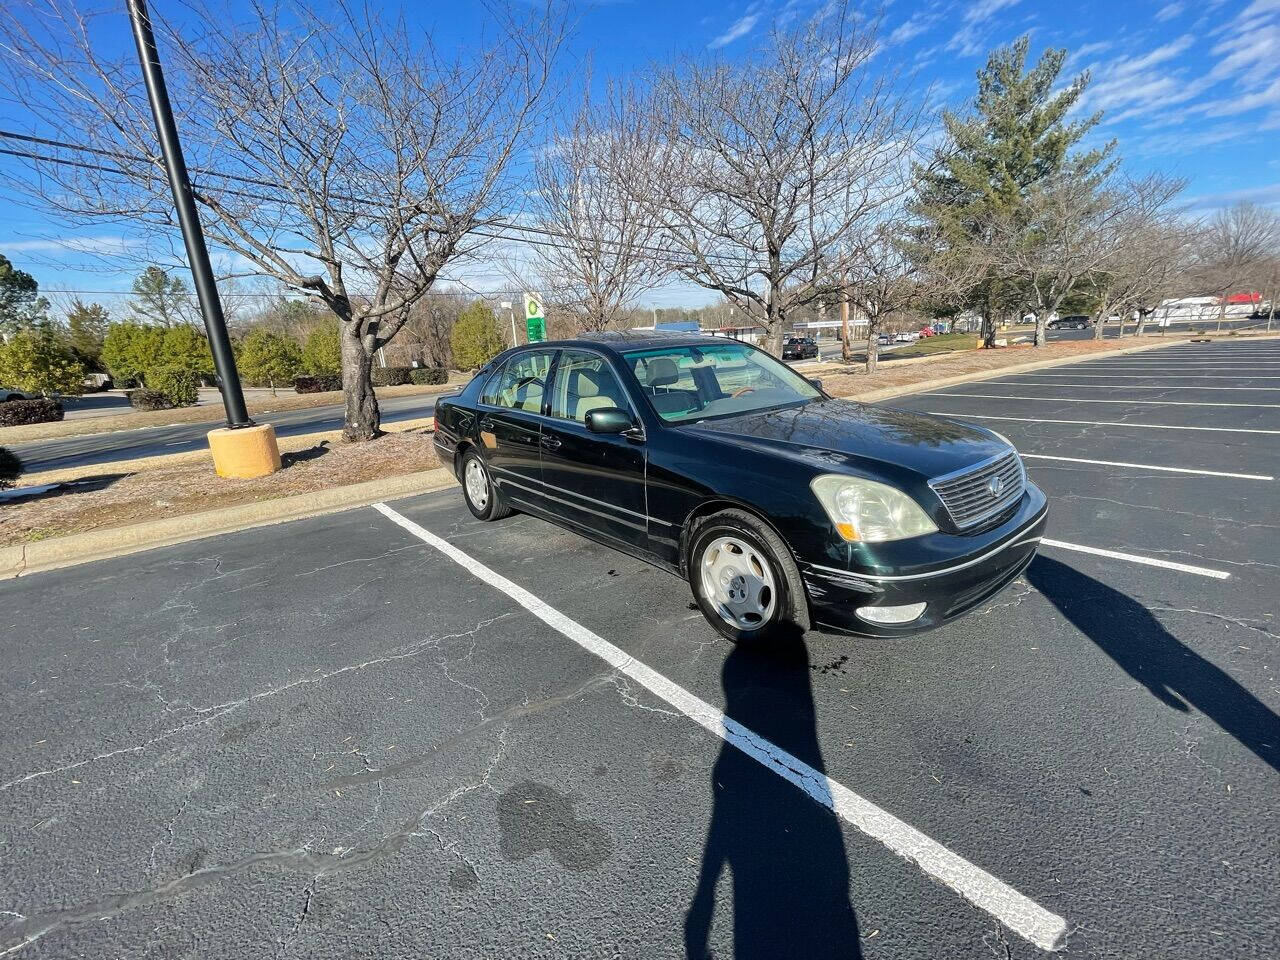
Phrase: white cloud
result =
(1170, 10)
(909, 29)
(1266, 195)
(971, 38)
(739, 28)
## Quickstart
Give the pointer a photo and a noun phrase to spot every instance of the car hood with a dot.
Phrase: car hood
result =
(840, 433)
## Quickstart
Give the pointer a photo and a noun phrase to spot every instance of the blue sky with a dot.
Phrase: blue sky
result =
(1190, 87)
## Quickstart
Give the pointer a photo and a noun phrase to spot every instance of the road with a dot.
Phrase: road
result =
(80, 451)
(354, 736)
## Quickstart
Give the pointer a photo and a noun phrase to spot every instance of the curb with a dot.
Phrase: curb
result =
(293, 444)
(924, 386)
(25, 559)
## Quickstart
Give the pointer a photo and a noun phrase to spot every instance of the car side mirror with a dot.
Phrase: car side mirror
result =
(815, 381)
(609, 420)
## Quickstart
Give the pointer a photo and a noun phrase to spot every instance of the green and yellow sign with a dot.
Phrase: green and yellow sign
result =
(535, 322)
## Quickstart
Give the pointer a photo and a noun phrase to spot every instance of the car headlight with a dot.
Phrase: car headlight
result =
(863, 510)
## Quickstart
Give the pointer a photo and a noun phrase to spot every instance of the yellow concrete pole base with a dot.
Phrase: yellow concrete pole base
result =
(245, 453)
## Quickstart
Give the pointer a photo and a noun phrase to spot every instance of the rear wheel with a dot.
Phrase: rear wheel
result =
(744, 580)
(479, 490)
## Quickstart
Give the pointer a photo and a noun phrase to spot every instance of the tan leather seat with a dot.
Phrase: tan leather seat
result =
(586, 396)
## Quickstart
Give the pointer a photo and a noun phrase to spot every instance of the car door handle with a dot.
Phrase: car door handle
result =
(486, 423)
(551, 443)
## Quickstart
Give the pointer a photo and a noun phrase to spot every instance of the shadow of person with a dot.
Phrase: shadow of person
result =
(1174, 673)
(784, 851)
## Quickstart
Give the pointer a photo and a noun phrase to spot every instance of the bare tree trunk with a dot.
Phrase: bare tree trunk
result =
(363, 419)
(1041, 334)
(873, 344)
(845, 353)
(1222, 313)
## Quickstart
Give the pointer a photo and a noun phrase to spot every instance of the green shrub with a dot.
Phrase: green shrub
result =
(267, 359)
(322, 353)
(129, 349)
(41, 361)
(187, 348)
(321, 384)
(16, 413)
(10, 468)
(179, 386)
(429, 376)
(144, 399)
(476, 338)
(390, 376)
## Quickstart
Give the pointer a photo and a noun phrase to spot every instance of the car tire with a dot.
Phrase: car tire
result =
(479, 491)
(745, 581)
(1079, 326)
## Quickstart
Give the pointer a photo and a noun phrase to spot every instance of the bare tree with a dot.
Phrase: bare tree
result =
(758, 167)
(596, 252)
(882, 280)
(1068, 228)
(1147, 245)
(1237, 248)
(333, 150)
(430, 324)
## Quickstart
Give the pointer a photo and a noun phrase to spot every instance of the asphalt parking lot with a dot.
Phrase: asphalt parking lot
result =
(403, 733)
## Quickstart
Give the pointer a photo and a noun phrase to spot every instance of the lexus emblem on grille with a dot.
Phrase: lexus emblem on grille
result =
(995, 486)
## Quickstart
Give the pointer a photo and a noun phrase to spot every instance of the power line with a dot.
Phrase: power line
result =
(503, 224)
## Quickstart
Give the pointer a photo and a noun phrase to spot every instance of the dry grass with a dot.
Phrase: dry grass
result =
(210, 413)
(117, 500)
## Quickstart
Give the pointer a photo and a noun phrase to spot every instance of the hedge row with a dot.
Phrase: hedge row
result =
(320, 384)
(16, 413)
(10, 468)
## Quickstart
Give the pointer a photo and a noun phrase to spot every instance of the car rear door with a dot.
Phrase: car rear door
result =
(597, 480)
(510, 427)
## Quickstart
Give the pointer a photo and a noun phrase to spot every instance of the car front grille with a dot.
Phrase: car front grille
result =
(978, 493)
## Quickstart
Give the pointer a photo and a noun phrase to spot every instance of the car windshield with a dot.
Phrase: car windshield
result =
(697, 382)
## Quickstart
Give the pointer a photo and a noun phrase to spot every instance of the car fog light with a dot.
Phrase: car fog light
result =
(902, 614)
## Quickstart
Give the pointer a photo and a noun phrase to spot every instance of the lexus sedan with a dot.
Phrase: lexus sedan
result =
(783, 508)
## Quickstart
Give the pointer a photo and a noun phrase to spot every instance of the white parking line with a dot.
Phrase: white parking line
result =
(1154, 403)
(1135, 558)
(1096, 423)
(1124, 386)
(1147, 466)
(1016, 911)
(1146, 376)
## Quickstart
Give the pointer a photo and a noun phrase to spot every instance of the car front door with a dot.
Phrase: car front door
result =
(510, 427)
(597, 480)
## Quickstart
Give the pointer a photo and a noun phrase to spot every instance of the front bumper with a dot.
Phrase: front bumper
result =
(948, 590)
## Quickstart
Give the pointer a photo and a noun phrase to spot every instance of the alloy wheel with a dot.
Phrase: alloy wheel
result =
(738, 582)
(477, 484)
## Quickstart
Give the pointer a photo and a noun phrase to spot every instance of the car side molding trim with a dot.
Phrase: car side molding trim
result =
(521, 480)
(852, 575)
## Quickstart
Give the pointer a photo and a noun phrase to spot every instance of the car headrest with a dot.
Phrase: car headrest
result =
(585, 384)
(662, 372)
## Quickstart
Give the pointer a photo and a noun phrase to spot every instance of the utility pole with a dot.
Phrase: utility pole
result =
(845, 353)
(252, 455)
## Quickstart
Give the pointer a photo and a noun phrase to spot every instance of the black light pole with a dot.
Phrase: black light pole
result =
(224, 360)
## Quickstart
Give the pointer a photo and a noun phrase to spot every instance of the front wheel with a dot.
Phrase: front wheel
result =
(744, 580)
(479, 490)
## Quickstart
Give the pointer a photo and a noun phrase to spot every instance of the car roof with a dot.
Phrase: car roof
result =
(620, 340)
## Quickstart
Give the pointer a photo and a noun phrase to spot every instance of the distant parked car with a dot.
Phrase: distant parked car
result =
(799, 348)
(926, 331)
(1077, 322)
(884, 339)
(13, 393)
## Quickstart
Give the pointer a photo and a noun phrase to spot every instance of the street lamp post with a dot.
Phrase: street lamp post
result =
(254, 453)
(506, 305)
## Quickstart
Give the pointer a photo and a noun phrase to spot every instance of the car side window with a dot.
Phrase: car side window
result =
(585, 382)
(520, 385)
